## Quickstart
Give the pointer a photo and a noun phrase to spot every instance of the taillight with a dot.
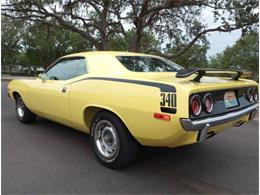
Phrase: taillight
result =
(255, 92)
(250, 95)
(195, 105)
(208, 103)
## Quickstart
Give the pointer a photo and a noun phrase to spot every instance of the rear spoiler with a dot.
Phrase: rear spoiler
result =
(183, 73)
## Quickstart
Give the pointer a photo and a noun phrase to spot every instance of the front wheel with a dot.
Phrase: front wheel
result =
(111, 141)
(24, 115)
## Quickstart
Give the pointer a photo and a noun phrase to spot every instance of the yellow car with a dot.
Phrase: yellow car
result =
(125, 100)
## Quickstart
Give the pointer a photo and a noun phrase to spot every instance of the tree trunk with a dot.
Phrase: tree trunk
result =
(135, 43)
(104, 42)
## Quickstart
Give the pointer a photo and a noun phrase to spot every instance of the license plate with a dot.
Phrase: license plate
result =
(230, 99)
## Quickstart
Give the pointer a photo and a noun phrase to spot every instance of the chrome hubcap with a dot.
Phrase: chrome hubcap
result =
(106, 139)
(20, 107)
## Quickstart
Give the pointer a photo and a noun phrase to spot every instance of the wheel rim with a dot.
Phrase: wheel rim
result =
(106, 139)
(20, 107)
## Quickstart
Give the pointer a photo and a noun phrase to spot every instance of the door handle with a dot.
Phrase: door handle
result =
(64, 89)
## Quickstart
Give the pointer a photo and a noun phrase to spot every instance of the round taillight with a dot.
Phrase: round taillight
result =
(250, 95)
(195, 105)
(255, 92)
(208, 103)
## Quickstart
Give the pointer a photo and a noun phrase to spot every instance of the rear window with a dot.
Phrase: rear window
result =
(148, 64)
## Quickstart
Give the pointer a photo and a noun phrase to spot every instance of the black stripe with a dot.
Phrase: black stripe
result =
(161, 86)
(168, 110)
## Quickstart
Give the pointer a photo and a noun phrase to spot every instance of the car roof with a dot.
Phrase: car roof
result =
(104, 62)
(111, 53)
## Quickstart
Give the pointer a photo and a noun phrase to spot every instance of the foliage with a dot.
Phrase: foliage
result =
(177, 22)
(43, 44)
(37, 45)
(121, 43)
(194, 57)
(10, 40)
(243, 55)
(35, 32)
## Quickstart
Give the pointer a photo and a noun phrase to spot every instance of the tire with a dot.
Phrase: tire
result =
(111, 141)
(24, 115)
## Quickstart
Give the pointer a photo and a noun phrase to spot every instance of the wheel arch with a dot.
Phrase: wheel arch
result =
(91, 110)
(15, 95)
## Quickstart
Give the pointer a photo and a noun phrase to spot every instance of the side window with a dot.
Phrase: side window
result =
(80, 67)
(67, 69)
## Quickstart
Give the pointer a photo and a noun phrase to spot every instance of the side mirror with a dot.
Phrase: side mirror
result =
(43, 76)
(40, 71)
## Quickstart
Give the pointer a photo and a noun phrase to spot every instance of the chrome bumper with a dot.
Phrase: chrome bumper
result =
(203, 125)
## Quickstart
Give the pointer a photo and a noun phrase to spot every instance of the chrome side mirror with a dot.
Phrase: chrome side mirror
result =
(43, 76)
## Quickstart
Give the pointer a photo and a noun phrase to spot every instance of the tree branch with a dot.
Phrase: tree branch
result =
(194, 40)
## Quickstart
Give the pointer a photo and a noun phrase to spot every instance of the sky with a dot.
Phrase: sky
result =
(218, 41)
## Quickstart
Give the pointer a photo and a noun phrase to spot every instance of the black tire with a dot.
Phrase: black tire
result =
(23, 114)
(127, 148)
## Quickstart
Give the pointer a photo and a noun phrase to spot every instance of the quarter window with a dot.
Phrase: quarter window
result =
(148, 64)
(67, 69)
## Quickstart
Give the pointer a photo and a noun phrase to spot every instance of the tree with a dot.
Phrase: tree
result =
(121, 43)
(243, 55)
(43, 44)
(194, 57)
(175, 21)
(34, 45)
(10, 44)
(90, 19)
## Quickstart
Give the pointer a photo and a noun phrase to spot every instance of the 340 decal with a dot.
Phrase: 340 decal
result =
(168, 99)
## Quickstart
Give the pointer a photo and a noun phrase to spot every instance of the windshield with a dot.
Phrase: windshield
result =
(148, 64)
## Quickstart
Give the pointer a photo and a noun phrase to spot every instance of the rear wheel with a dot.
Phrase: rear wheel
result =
(24, 115)
(111, 141)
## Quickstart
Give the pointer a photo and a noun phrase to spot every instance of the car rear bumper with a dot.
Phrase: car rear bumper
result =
(202, 125)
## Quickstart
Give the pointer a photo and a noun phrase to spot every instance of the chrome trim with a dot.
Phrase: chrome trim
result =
(197, 125)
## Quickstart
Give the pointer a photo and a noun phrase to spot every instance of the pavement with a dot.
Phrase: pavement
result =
(49, 158)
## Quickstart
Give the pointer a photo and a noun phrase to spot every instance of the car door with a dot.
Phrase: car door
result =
(50, 97)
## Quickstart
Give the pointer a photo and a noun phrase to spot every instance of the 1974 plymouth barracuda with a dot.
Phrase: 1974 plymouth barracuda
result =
(124, 100)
